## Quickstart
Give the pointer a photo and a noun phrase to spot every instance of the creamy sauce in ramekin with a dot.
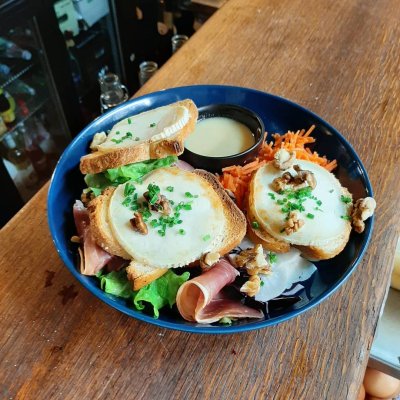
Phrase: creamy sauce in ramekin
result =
(219, 137)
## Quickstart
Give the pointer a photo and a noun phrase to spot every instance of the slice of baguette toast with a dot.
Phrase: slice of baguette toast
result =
(142, 273)
(128, 152)
(99, 226)
(325, 231)
(261, 236)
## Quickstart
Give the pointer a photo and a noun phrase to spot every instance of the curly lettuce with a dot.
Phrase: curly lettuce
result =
(158, 294)
(115, 176)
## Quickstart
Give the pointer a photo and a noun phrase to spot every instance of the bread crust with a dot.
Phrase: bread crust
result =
(101, 231)
(141, 275)
(313, 253)
(100, 161)
(236, 221)
(261, 236)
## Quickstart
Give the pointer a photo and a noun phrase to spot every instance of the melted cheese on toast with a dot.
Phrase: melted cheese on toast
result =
(150, 126)
(324, 215)
(201, 229)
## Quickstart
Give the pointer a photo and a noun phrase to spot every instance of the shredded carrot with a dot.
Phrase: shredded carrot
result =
(236, 178)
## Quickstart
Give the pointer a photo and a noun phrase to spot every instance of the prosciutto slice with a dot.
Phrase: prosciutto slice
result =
(183, 165)
(93, 257)
(202, 299)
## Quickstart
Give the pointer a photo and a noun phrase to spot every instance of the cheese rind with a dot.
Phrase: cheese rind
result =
(150, 126)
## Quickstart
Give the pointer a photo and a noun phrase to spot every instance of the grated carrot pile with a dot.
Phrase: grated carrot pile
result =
(236, 178)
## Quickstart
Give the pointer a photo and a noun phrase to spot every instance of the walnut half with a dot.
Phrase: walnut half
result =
(302, 179)
(284, 159)
(253, 260)
(294, 223)
(252, 286)
(362, 210)
(138, 224)
(208, 260)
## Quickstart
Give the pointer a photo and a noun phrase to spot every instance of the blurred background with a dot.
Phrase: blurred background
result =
(64, 62)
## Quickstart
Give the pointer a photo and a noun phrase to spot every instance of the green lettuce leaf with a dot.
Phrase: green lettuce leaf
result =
(160, 292)
(116, 283)
(115, 176)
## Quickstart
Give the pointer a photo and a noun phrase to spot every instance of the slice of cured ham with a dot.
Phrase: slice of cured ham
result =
(93, 257)
(183, 165)
(202, 299)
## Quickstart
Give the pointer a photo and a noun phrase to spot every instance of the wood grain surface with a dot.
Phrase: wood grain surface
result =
(341, 60)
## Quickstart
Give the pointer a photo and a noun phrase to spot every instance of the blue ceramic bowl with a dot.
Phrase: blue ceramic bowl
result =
(278, 115)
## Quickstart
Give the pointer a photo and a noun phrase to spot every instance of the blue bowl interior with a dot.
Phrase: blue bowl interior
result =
(278, 115)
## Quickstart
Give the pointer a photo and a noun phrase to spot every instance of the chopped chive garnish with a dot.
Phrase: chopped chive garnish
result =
(262, 283)
(346, 217)
(127, 202)
(129, 121)
(181, 231)
(310, 216)
(345, 199)
(255, 225)
(117, 133)
(170, 188)
(129, 189)
(271, 195)
(272, 257)
(191, 196)
(152, 125)
(206, 237)
(331, 191)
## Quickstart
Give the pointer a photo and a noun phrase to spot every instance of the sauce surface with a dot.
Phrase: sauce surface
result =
(219, 137)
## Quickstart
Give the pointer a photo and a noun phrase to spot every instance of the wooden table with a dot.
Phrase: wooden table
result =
(57, 341)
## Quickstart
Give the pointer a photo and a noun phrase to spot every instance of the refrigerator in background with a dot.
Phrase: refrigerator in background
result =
(52, 53)
(89, 34)
(35, 103)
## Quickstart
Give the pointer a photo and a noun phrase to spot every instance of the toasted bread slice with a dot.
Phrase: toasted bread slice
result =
(100, 228)
(141, 274)
(325, 229)
(212, 224)
(236, 221)
(157, 133)
(261, 236)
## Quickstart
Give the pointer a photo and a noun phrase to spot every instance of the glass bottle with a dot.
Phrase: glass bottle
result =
(178, 41)
(112, 91)
(146, 70)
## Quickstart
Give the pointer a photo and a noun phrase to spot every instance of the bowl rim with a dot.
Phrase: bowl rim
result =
(244, 152)
(184, 326)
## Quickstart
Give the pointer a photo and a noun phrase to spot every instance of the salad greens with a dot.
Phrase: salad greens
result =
(115, 176)
(158, 293)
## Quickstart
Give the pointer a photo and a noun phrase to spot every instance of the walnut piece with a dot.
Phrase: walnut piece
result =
(362, 210)
(75, 239)
(252, 286)
(98, 139)
(161, 205)
(284, 159)
(208, 260)
(302, 179)
(305, 176)
(253, 260)
(86, 196)
(138, 224)
(294, 223)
